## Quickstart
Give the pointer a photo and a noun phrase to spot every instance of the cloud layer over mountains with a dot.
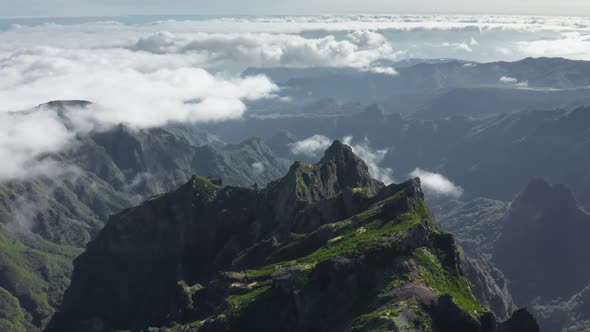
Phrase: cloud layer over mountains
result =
(146, 74)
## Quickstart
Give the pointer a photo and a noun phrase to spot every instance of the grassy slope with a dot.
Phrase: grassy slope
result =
(360, 235)
(35, 268)
(35, 276)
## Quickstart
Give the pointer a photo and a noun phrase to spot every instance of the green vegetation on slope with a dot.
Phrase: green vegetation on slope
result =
(370, 235)
(36, 276)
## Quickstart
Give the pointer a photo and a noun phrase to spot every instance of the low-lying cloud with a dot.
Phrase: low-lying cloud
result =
(507, 79)
(436, 184)
(311, 147)
(258, 168)
(513, 81)
(25, 138)
(140, 90)
(149, 74)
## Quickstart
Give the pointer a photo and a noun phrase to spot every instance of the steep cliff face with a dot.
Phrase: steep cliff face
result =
(325, 248)
(489, 286)
(544, 234)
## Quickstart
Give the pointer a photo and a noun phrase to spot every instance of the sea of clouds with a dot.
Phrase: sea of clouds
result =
(150, 73)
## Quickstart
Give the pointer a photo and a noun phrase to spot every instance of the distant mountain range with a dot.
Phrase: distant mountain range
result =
(436, 88)
(478, 124)
(493, 156)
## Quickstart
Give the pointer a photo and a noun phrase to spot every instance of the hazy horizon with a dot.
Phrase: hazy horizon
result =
(93, 8)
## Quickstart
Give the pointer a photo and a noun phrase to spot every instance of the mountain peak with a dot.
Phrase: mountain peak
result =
(538, 192)
(342, 154)
(337, 148)
(544, 234)
(350, 170)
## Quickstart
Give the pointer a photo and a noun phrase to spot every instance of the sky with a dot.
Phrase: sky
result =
(45, 8)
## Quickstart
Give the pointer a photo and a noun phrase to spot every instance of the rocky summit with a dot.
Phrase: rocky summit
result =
(325, 248)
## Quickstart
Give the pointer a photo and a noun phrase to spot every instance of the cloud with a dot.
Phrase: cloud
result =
(573, 45)
(149, 74)
(25, 141)
(258, 168)
(237, 51)
(384, 70)
(458, 46)
(437, 184)
(507, 79)
(372, 158)
(512, 80)
(315, 146)
(141, 90)
(311, 147)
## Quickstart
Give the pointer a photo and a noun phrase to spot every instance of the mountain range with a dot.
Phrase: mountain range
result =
(48, 220)
(326, 247)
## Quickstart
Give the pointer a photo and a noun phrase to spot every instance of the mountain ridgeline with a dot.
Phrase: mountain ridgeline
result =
(325, 248)
(46, 221)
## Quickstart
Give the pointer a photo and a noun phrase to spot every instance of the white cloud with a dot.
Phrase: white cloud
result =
(240, 50)
(372, 158)
(258, 167)
(573, 45)
(458, 46)
(512, 80)
(311, 147)
(138, 89)
(507, 79)
(315, 145)
(149, 74)
(437, 184)
(384, 70)
(27, 137)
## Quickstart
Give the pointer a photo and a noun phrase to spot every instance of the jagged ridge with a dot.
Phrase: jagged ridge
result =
(326, 248)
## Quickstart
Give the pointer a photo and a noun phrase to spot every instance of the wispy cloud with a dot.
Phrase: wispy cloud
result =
(140, 90)
(25, 138)
(149, 74)
(372, 158)
(514, 81)
(258, 168)
(311, 147)
(507, 79)
(436, 184)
